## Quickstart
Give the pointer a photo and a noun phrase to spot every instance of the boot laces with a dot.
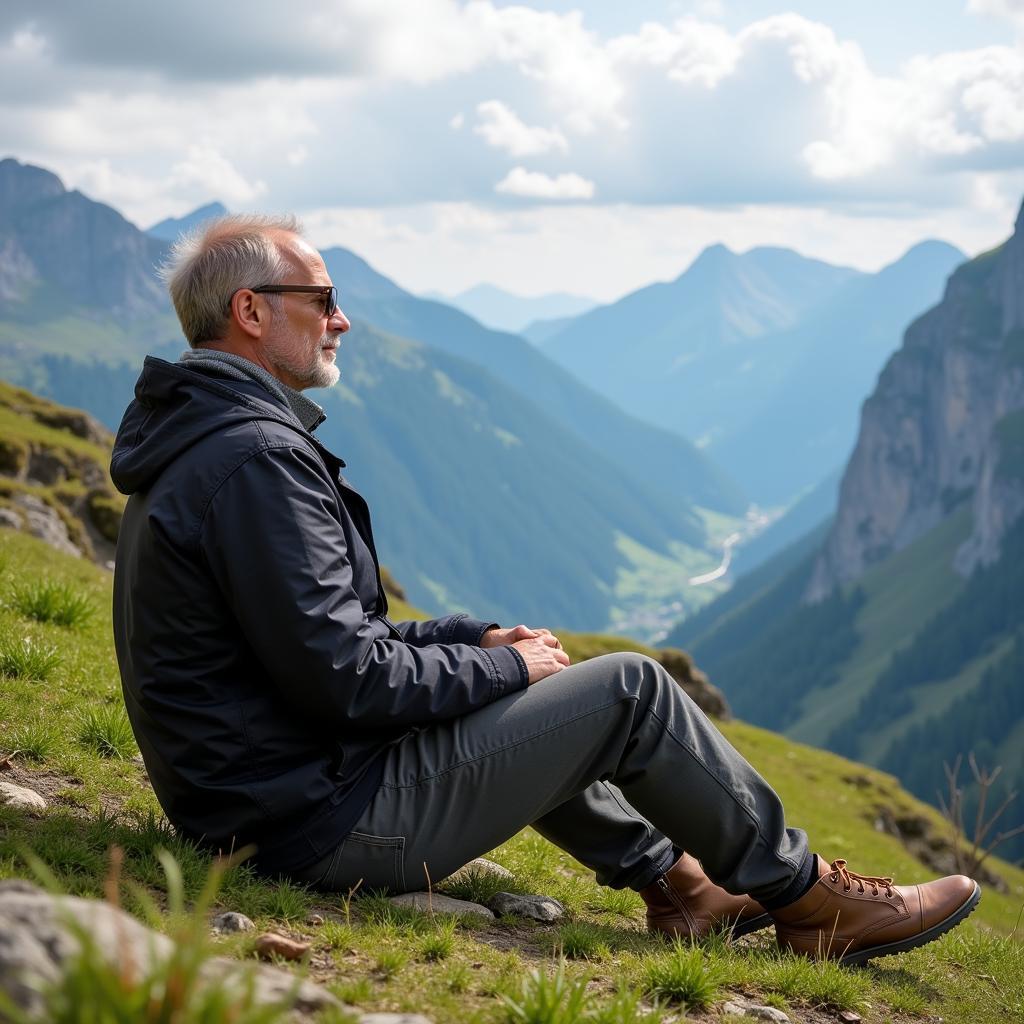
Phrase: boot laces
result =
(841, 873)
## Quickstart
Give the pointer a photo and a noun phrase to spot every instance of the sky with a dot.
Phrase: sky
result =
(586, 147)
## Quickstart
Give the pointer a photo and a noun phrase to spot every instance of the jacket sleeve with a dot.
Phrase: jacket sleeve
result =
(452, 629)
(274, 542)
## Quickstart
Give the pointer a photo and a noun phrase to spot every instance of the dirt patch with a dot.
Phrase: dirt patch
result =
(59, 789)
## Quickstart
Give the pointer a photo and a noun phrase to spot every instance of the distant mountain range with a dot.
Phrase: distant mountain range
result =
(502, 310)
(897, 637)
(170, 228)
(764, 357)
(499, 482)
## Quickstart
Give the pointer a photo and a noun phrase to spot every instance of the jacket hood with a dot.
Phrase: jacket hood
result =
(174, 408)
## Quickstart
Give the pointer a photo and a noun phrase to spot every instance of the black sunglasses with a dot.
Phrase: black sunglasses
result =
(327, 291)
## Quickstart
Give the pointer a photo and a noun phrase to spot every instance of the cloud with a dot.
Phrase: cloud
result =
(501, 127)
(537, 185)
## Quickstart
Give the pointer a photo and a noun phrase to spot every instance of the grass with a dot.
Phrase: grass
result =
(379, 957)
(106, 730)
(686, 975)
(25, 658)
(53, 601)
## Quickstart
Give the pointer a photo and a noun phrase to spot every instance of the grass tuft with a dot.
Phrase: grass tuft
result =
(106, 730)
(34, 740)
(547, 998)
(581, 940)
(816, 982)
(53, 601)
(439, 944)
(684, 975)
(27, 659)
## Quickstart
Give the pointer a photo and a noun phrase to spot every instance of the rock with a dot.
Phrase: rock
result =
(439, 904)
(479, 866)
(36, 942)
(10, 518)
(755, 1012)
(679, 665)
(44, 522)
(21, 798)
(270, 944)
(315, 920)
(849, 1017)
(394, 1018)
(230, 921)
(539, 908)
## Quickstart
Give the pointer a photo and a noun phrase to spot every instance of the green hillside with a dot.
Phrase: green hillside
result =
(63, 733)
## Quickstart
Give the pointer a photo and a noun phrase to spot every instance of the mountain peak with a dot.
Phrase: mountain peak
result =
(23, 184)
(171, 227)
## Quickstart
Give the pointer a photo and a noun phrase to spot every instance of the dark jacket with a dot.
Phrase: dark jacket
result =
(261, 674)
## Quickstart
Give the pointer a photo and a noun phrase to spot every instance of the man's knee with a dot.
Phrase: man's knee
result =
(640, 675)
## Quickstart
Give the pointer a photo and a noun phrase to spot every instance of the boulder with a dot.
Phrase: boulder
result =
(439, 904)
(538, 908)
(39, 935)
(21, 798)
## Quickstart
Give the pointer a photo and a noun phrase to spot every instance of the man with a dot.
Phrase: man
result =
(275, 703)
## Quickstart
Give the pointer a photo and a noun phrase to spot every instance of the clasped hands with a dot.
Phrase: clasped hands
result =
(539, 648)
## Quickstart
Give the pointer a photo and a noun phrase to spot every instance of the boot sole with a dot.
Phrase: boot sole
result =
(753, 924)
(862, 956)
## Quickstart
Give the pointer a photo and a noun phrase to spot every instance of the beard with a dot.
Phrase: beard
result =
(306, 363)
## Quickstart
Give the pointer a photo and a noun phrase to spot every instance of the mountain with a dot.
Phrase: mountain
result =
(756, 354)
(900, 638)
(687, 354)
(171, 227)
(502, 310)
(682, 471)
(488, 498)
(811, 414)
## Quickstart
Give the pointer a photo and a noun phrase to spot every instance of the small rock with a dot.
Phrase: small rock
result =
(849, 1017)
(315, 920)
(479, 866)
(394, 1018)
(270, 944)
(539, 908)
(439, 904)
(232, 922)
(40, 937)
(21, 798)
(756, 1012)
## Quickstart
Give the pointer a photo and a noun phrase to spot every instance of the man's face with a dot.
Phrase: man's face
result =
(301, 343)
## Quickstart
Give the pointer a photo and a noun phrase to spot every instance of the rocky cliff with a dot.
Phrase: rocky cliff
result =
(109, 265)
(944, 425)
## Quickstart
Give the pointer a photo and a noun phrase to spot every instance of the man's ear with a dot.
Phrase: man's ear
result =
(249, 312)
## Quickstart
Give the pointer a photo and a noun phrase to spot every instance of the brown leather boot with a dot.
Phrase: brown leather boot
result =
(686, 904)
(853, 917)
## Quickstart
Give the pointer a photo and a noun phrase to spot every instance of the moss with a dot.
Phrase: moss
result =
(105, 512)
(13, 456)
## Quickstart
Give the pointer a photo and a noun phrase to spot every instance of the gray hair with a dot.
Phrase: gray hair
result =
(208, 265)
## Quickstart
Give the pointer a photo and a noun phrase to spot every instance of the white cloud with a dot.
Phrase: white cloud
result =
(502, 128)
(536, 185)
(457, 121)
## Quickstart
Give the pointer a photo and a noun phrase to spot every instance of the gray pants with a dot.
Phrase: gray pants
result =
(608, 759)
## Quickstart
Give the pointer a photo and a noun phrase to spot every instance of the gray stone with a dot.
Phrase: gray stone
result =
(230, 921)
(479, 866)
(439, 904)
(539, 908)
(43, 522)
(10, 519)
(21, 798)
(40, 933)
(755, 1012)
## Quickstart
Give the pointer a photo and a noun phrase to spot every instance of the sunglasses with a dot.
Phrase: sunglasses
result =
(327, 292)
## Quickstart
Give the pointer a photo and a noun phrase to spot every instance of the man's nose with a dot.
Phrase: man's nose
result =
(338, 321)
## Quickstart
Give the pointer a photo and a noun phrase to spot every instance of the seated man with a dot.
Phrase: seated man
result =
(275, 704)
